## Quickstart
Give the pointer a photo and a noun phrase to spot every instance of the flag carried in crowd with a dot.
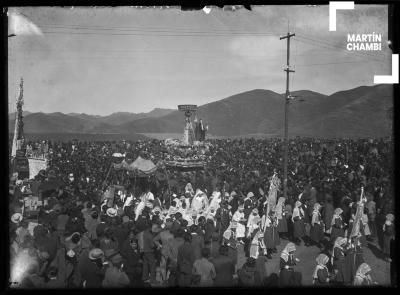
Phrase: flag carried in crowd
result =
(359, 213)
(272, 193)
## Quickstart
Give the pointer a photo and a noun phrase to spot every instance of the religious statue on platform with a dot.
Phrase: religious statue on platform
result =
(188, 133)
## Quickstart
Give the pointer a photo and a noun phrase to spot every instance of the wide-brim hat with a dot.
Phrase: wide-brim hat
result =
(16, 217)
(112, 212)
(96, 253)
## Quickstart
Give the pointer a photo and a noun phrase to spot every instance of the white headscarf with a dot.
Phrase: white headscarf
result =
(362, 275)
(316, 215)
(336, 214)
(322, 260)
(297, 211)
(290, 247)
(279, 207)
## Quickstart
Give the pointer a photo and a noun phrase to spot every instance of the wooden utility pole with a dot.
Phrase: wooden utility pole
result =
(287, 97)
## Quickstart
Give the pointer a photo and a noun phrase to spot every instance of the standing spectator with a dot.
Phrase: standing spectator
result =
(147, 248)
(288, 277)
(115, 277)
(271, 236)
(299, 231)
(337, 226)
(248, 274)
(197, 242)
(131, 260)
(164, 241)
(91, 269)
(338, 257)
(363, 277)
(205, 269)
(281, 216)
(185, 262)
(328, 212)
(317, 227)
(321, 273)
(224, 268)
(388, 235)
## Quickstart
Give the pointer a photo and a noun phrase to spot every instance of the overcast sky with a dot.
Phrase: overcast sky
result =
(104, 60)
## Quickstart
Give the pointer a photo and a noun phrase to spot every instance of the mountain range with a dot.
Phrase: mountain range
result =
(359, 112)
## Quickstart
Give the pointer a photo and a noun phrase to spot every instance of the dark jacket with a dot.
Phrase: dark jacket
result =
(224, 268)
(196, 245)
(249, 276)
(91, 273)
(185, 258)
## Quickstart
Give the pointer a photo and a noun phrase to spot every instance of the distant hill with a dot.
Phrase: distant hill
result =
(83, 123)
(12, 114)
(359, 112)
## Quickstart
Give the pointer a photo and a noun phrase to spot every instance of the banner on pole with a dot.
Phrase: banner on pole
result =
(360, 209)
(272, 193)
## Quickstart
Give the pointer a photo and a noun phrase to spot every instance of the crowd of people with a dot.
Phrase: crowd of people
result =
(212, 227)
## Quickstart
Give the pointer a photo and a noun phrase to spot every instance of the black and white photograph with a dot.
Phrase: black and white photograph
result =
(233, 146)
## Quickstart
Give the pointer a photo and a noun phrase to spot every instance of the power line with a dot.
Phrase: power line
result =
(208, 34)
(358, 54)
(332, 63)
(152, 30)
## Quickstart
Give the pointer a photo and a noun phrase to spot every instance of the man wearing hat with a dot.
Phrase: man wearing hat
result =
(115, 277)
(16, 218)
(147, 247)
(185, 260)
(91, 269)
(197, 242)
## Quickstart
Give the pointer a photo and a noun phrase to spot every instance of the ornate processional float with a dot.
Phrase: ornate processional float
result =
(189, 152)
